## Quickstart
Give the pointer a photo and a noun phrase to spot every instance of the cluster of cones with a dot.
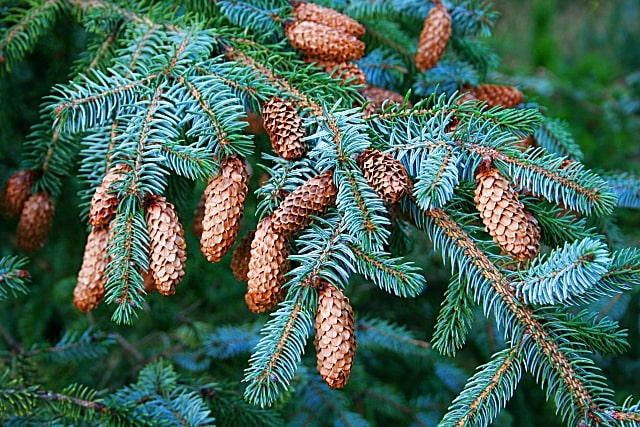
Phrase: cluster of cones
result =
(261, 257)
(34, 210)
(167, 247)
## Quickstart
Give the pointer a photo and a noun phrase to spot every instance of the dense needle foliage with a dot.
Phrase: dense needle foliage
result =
(453, 325)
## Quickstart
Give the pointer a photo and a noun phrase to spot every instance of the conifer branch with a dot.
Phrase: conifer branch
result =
(523, 317)
(13, 276)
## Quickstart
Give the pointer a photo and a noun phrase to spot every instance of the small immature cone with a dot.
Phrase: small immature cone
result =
(324, 42)
(241, 256)
(284, 126)
(223, 208)
(434, 37)
(267, 266)
(167, 247)
(304, 11)
(90, 287)
(16, 192)
(335, 338)
(35, 222)
(494, 95)
(104, 203)
(386, 175)
(313, 197)
(507, 220)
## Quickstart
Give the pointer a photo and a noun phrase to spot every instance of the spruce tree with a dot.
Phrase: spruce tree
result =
(288, 159)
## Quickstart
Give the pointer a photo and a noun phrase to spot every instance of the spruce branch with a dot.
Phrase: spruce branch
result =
(567, 275)
(561, 370)
(279, 351)
(28, 24)
(13, 276)
(487, 391)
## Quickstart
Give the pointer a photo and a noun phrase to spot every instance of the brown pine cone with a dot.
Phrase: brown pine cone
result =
(90, 287)
(198, 216)
(335, 338)
(313, 197)
(340, 70)
(507, 220)
(434, 37)
(256, 126)
(324, 42)
(378, 96)
(322, 15)
(284, 126)
(35, 222)
(386, 175)
(267, 266)
(104, 203)
(16, 192)
(241, 256)
(223, 208)
(167, 247)
(494, 95)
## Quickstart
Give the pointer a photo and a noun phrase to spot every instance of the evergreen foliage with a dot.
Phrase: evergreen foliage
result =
(167, 91)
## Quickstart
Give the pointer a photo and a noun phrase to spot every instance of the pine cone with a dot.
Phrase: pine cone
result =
(379, 96)
(167, 247)
(311, 198)
(35, 222)
(16, 192)
(324, 42)
(223, 210)
(241, 256)
(198, 216)
(322, 15)
(386, 175)
(256, 126)
(340, 70)
(284, 126)
(434, 37)
(104, 203)
(494, 95)
(512, 227)
(267, 267)
(90, 287)
(335, 338)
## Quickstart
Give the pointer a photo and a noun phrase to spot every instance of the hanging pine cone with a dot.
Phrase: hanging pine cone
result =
(90, 287)
(340, 70)
(386, 175)
(198, 216)
(335, 338)
(494, 95)
(223, 209)
(434, 37)
(267, 267)
(380, 97)
(324, 42)
(256, 126)
(284, 126)
(104, 203)
(241, 256)
(512, 227)
(167, 247)
(16, 192)
(311, 198)
(303, 11)
(35, 222)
